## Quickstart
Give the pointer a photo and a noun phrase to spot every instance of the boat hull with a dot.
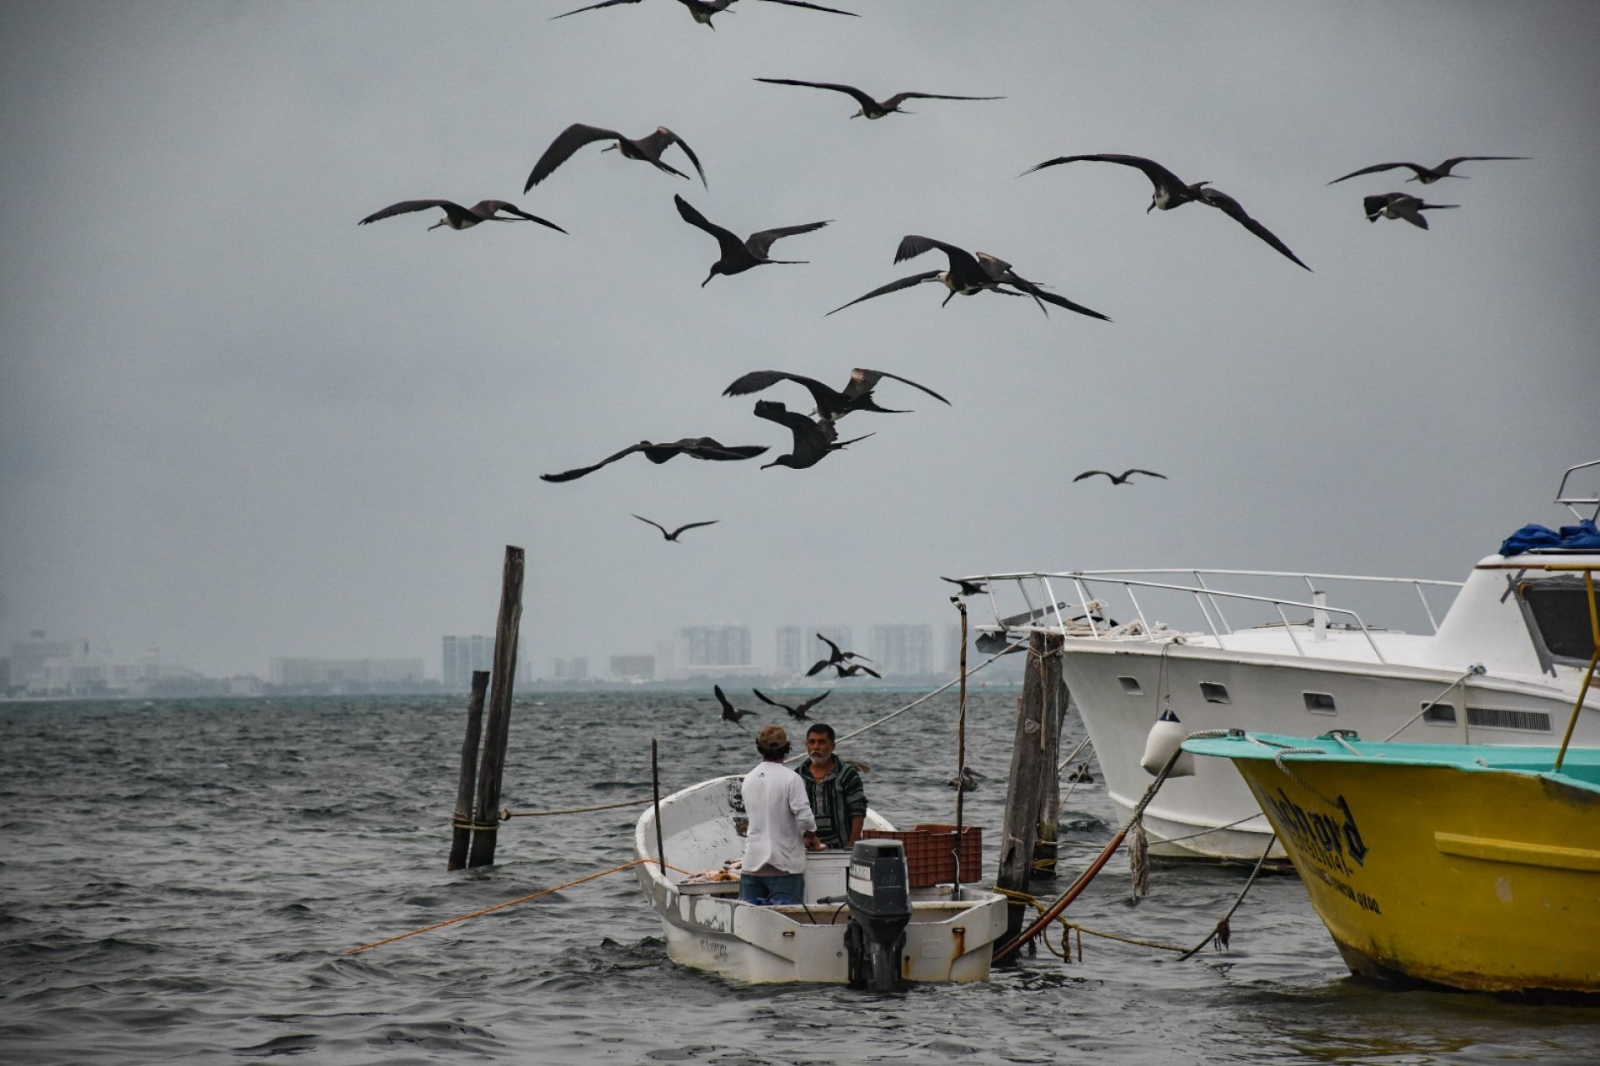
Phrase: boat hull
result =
(1478, 877)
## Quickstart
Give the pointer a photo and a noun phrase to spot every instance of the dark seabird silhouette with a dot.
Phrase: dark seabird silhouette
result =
(730, 713)
(797, 711)
(703, 10)
(970, 273)
(699, 447)
(1398, 205)
(968, 588)
(1081, 775)
(458, 217)
(967, 779)
(1119, 479)
(871, 108)
(831, 405)
(739, 256)
(673, 536)
(1172, 191)
(836, 657)
(647, 148)
(812, 440)
(1426, 175)
(855, 668)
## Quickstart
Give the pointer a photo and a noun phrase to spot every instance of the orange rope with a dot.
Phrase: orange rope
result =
(508, 903)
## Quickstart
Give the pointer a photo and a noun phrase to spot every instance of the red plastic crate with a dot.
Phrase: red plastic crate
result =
(930, 852)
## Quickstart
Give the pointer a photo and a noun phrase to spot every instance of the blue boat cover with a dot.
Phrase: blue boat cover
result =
(1583, 536)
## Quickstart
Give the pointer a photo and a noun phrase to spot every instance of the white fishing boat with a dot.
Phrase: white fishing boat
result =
(948, 935)
(1303, 653)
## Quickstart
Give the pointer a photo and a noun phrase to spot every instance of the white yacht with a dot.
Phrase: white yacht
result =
(1304, 653)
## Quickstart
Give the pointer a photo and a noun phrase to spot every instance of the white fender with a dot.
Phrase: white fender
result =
(1165, 738)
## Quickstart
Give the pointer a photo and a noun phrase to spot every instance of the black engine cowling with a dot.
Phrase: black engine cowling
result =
(880, 908)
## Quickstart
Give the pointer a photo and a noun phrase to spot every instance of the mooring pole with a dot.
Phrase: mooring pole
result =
(1032, 763)
(497, 731)
(655, 788)
(961, 746)
(469, 772)
(1045, 851)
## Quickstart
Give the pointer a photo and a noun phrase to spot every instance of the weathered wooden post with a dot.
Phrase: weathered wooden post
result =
(1033, 763)
(961, 741)
(497, 731)
(469, 772)
(1045, 851)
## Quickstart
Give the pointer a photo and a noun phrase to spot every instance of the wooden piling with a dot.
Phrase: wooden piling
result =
(1045, 848)
(497, 731)
(1033, 763)
(961, 749)
(469, 772)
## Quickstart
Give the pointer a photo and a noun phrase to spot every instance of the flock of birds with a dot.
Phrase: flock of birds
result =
(814, 436)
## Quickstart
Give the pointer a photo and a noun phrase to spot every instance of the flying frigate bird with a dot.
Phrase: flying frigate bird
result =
(730, 713)
(812, 440)
(831, 405)
(458, 217)
(855, 668)
(1398, 205)
(739, 256)
(968, 588)
(970, 273)
(673, 536)
(837, 656)
(871, 108)
(798, 711)
(1119, 479)
(1172, 191)
(699, 447)
(703, 10)
(1426, 175)
(647, 148)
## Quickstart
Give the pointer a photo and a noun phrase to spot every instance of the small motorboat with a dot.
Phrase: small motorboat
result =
(864, 920)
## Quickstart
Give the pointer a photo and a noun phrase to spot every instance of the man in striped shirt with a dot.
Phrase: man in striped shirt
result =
(838, 798)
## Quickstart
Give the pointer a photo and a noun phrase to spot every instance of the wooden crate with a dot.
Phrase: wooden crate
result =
(930, 852)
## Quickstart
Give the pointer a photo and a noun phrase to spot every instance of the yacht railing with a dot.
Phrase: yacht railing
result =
(1579, 498)
(1038, 592)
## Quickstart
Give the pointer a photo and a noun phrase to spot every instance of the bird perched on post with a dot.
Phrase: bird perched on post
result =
(1119, 479)
(738, 256)
(1172, 191)
(831, 405)
(458, 217)
(871, 108)
(673, 536)
(699, 447)
(812, 440)
(1425, 175)
(796, 711)
(647, 148)
(730, 713)
(1399, 205)
(836, 657)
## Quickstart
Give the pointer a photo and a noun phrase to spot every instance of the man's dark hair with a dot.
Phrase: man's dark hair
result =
(821, 727)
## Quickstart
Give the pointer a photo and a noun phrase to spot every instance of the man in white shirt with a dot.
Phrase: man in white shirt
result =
(782, 826)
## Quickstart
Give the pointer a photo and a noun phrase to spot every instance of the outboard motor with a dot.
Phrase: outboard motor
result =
(880, 908)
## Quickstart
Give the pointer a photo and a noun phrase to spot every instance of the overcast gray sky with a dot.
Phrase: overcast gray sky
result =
(234, 424)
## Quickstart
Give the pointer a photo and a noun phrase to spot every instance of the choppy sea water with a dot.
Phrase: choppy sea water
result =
(179, 879)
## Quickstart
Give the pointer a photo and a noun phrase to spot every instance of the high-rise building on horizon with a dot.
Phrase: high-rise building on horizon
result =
(463, 655)
(901, 650)
(705, 648)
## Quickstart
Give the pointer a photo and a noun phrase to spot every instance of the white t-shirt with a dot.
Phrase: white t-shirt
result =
(775, 801)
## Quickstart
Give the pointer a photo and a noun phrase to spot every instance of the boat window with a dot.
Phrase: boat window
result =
(1559, 611)
(1320, 703)
(1497, 718)
(1439, 714)
(1131, 686)
(1214, 693)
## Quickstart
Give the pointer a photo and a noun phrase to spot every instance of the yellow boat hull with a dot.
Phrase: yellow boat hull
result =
(1446, 875)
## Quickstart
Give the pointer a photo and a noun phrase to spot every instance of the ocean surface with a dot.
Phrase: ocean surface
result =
(179, 880)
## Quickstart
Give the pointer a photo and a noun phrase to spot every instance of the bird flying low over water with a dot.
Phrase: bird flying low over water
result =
(673, 536)
(647, 148)
(1172, 191)
(730, 713)
(831, 405)
(812, 440)
(970, 273)
(1398, 205)
(1119, 479)
(458, 217)
(796, 711)
(1426, 175)
(836, 657)
(703, 10)
(871, 108)
(853, 669)
(968, 588)
(699, 447)
(739, 256)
